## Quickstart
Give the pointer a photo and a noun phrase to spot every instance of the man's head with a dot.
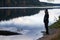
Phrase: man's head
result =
(46, 11)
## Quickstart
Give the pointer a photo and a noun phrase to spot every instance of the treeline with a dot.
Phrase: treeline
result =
(19, 3)
(23, 3)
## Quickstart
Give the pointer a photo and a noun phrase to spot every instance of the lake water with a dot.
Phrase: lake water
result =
(29, 26)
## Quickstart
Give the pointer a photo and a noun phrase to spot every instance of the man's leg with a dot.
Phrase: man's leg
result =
(46, 27)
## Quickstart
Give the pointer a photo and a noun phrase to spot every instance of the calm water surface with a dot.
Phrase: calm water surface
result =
(29, 26)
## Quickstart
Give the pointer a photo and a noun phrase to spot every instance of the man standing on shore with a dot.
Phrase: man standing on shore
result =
(46, 21)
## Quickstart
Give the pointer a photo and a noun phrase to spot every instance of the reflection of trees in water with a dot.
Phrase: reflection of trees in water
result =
(7, 14)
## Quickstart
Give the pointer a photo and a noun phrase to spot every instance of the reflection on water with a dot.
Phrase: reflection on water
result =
(29, 26)
(6, 14)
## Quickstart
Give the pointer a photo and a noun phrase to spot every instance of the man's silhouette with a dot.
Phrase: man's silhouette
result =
(46, 21)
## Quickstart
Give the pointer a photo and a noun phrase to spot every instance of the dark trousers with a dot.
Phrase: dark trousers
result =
(46, 27)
